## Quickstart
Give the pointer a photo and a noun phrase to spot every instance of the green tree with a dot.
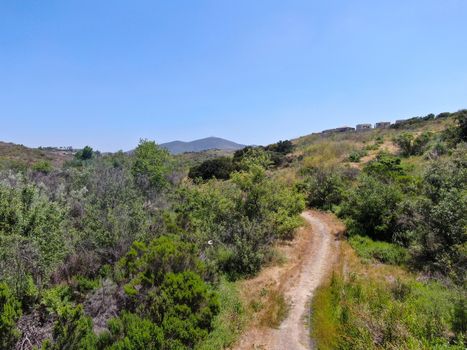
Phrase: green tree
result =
(219, 168)
(372, 208)
(10, 311)
(151, 165)
(85, 154)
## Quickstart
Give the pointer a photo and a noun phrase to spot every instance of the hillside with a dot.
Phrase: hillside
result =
(208, 143)
(19, 156)
(208, 250)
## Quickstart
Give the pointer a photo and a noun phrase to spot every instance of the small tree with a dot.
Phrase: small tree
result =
(85, 154)
(219, 168)
(10, 311)
(151, 165)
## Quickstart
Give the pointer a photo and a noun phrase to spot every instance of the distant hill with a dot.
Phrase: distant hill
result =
(14, 155)
(177, 147)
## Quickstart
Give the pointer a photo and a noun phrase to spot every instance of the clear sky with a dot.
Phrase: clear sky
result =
(106, 73)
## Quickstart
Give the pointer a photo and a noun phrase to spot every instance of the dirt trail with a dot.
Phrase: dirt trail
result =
(309, 258)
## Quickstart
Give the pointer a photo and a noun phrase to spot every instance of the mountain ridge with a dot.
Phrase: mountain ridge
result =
(199, 145)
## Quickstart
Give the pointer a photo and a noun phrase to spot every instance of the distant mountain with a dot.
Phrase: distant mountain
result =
(177, 147)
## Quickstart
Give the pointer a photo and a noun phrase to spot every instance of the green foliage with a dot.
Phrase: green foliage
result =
(241, 217)
(151, 165)
(283, 147)
(56, 299)
(412, 145)
(439, 219)
(72, 331)
(388, 253)
(131, 332)
(371, 208)
(165, 287)
(385, 167)
(10, 311)
(85, 154)
(31, 227)
(355, 156)
(219, 168)
(42, 166)
(366, 313)
(323, 188)
(229, 323)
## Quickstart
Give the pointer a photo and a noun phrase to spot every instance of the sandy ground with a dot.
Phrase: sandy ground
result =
(309, 258)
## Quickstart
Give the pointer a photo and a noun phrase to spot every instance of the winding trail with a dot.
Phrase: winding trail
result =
(309, 259)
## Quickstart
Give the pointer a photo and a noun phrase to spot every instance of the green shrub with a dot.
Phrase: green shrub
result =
(388, 253)
(42, 166)
(131, 332)
(10, 311)
(355, 156)
(323, 188)
(219, 168)
(371, 208)
(151, 165)
(85, 154)
(411, 145)
(72, 331)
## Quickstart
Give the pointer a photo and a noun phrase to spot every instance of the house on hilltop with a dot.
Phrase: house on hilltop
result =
(341, 129)
(361, 127)
(382, 125)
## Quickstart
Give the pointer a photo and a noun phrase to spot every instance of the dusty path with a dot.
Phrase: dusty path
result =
(309, 257)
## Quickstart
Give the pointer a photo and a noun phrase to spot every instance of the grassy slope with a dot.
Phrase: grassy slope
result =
(22, 156)
(368, 304)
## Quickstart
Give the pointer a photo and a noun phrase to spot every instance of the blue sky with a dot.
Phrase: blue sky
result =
(107, 73)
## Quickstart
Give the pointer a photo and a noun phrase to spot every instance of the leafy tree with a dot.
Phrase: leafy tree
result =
(283, 147)
(385, 167)
(411, 145)
(151, 165)
(371, 208)
(10, 311)
(85, 154)
(219, 168)
(439, 219)
(323, 188)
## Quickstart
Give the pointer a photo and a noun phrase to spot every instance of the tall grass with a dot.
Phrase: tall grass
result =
(230, 321)
(373, 310)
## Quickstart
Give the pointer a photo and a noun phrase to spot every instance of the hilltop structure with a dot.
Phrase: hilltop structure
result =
(341, 129)
(361, 127)
(382, 125)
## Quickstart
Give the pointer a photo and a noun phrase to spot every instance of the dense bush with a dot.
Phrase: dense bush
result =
(411, 145)
(165, 287)
(85, 154)
(371, 208)
(439, 219)
(323, 188)
(241, 217)
(219, 168)
(151, 165)
(10, 311)
(32, 237)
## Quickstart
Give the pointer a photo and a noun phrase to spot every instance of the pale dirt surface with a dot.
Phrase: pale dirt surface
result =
(310, 257)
